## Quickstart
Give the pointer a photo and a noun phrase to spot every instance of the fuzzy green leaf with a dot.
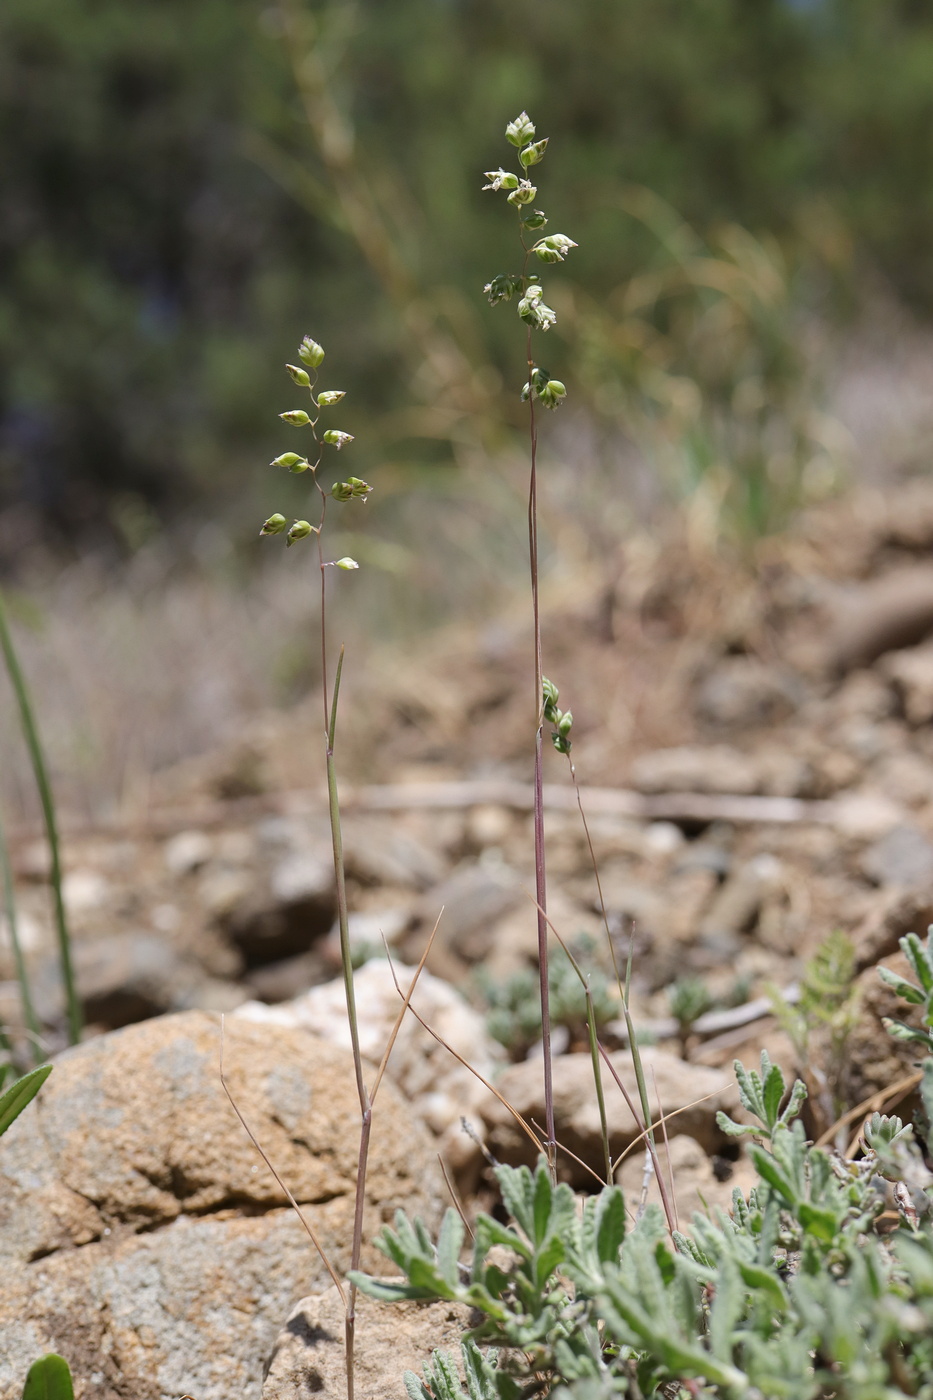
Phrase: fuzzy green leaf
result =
(416, 1389)
(543, 1197)
(769, 1171)
(610, 1225)
(449, 1244)
(904, 989)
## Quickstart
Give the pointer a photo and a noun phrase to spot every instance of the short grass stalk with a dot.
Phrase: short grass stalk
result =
(31, 735)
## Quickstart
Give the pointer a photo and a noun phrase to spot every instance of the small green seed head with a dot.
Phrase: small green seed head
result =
(299, 530)
(290, 460)
(301, 377)
(553, 393)
(329, 397)
(297, 417)
(554, 248)
(502, 287)
(337, 439)
(310, 353)
(347, 563)
(274, 525)
(501, 180)
(536, 219)
(520, 131)
(533, 153)
(524, 194)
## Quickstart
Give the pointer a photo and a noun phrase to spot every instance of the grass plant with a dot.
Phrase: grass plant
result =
(30, 730)
(541, 389)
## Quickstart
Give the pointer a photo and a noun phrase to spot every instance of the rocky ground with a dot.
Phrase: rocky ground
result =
(754, 745)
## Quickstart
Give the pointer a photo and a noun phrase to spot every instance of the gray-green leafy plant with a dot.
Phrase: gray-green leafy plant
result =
(513, 1017)
(795, 1295)
(538, 250)
(920, 957)
(689, 998)
(820, 1023)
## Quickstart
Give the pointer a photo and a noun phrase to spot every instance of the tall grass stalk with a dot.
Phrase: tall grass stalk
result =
(31, 735)
(539, 388)
(305, 377)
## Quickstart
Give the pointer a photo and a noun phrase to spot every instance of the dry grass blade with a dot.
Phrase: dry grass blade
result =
(667, 1146)
(523, 1124)
(657, 1123)
(405, 1004)
(873, 1104)
(455, 1197)
(309, 1228)
(579, 1161)
(646, 1133)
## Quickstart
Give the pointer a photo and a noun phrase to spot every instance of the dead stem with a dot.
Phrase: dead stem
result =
(286, 1192)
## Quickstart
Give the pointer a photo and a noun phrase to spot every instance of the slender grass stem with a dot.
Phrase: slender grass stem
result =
(592, 1035)
(31, 735)
(540, 859)
(7, 1066)
(22, 976)
(366, 1112)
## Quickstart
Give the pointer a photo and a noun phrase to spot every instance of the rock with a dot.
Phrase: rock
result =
(885, 614)
(441, 1088)
(911, 673)
(309, 1354)
(84, 890)
(736, 905)
(128, 978)
(866, 813)
(141, 1236)
(695, 1182)
(285, 913)
(383, 853)
(279, 981)
(698, 1092)
(187, 852)
(717, 768)
(472, 900)
(903, 857)
(488, 825)
(743, 692)
(896, 912)
(906, 778)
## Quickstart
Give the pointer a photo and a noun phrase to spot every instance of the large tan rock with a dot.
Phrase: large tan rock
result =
(391, 1338)
(141, 1235)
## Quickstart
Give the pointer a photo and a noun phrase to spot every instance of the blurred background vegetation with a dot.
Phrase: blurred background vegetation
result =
(189, 187)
